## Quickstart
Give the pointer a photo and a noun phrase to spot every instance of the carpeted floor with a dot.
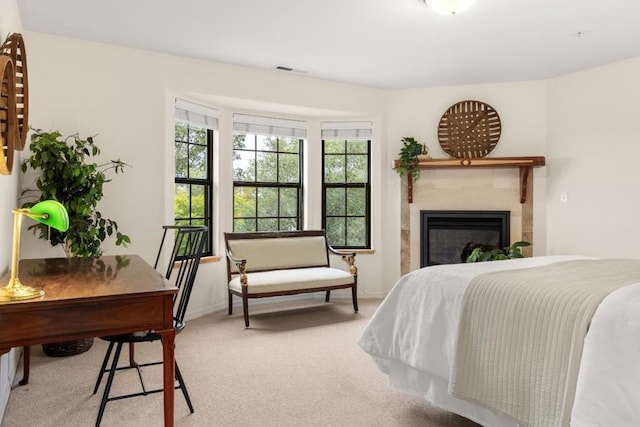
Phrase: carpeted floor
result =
(298, 365)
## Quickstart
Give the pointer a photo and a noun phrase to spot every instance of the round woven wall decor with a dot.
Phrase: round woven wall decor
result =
(469, 129)
(7, 114)
(13, 46)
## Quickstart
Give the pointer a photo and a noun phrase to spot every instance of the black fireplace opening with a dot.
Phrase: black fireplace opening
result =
(444, 234)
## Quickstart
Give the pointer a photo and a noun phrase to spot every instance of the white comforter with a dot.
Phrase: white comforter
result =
(412, 338)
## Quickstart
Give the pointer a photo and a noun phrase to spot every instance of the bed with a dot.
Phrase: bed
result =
(413, 336)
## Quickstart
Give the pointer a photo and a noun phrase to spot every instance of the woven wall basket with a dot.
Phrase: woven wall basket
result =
(469, 129)
(8, 133)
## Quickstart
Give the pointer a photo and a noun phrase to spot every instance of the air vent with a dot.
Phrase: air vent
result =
(282, 68)
(288, 69)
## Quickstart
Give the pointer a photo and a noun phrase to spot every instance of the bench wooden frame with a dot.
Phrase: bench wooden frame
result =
(242, 267)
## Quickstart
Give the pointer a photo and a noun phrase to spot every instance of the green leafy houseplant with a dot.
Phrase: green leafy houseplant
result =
(67, 174)
(408, 161)
(482, 253)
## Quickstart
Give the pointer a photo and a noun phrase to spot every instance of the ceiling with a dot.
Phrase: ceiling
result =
(390, 44)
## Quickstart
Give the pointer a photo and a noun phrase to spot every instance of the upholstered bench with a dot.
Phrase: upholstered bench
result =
(267, 264)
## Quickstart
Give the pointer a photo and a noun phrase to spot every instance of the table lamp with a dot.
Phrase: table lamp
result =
(49, 212)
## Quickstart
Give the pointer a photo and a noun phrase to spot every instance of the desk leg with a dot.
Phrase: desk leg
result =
(26, 361)
(169, 375)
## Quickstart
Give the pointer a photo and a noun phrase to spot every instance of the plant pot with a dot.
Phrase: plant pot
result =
(67, 348)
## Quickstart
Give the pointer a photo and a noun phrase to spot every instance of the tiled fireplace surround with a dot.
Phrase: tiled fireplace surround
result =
(464, 189)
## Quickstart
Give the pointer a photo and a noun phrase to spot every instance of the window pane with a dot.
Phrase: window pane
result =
(289, 202)
(335, 202)
(336, 231)
(181, 201)
(267, 224)
(334, 169)
(288, 145)
(197, 135)
(267, 170)
(181, 159)
(289, 168)
(244, 225)
(356, 231)
(244, 167)
(266, 143)
(357, 171)
(198, 161)
(334, 146)
(181, 132)
(267, 202)
(357, 146)
(243, 141)
(197, 201)
(244, 202)
(356, 202)
(288, 224)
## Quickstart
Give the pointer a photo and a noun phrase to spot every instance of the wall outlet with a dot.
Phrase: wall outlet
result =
(564, 197)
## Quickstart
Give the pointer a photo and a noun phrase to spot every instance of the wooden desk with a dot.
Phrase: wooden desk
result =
(90, 298)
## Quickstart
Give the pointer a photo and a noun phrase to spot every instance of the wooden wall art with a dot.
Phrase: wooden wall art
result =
(14, 100)
(13, 46)
(469, 129)
(8, 132)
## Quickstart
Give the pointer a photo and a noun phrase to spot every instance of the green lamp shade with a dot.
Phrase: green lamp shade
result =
(51, 213)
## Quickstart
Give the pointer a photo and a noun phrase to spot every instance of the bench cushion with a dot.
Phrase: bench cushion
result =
(277, 253)
(292, 279)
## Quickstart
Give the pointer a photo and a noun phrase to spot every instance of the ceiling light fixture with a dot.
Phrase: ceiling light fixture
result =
(449, 7)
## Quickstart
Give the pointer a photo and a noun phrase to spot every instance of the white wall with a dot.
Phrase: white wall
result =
(10, 22)
(125, 96)
(594, 146)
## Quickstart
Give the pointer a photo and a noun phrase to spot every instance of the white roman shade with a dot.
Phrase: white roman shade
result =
(196, 114)
(269, 126)
(346, 130)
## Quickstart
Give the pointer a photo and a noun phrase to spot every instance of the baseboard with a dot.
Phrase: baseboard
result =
(237, 302)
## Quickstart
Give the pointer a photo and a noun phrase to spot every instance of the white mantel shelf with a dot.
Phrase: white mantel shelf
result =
(524, 163)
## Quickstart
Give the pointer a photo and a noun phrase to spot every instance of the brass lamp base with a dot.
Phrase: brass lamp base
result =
(15, 291)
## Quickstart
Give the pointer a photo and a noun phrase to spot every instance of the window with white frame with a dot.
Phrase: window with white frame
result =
(346, 189)
(267, 173)
(195, 125)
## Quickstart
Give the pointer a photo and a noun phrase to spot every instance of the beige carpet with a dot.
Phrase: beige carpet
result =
(298, 365)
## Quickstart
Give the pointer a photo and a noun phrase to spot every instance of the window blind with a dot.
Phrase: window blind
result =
(338, 130)
(269, 126)
(196, 114)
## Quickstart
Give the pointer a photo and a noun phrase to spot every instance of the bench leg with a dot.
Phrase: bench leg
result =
(354, 295)
(245, 309)
(230, 298)
(326, 297)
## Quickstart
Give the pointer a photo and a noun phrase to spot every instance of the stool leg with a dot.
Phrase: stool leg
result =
(103, 367)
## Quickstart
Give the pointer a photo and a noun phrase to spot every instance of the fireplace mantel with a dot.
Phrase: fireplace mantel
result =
(524, 163)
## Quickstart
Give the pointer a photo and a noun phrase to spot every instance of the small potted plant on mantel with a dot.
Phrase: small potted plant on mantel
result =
(65, 174)
(408, 162)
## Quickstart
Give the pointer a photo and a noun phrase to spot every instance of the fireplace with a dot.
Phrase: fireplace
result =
(444, 234)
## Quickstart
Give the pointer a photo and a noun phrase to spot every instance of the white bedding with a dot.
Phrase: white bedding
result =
(412, 338)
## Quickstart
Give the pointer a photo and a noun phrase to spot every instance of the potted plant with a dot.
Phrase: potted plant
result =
(67, 174)
(408, 161)
(480, 253)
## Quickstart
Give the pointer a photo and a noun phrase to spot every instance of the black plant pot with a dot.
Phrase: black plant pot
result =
(67, 348)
